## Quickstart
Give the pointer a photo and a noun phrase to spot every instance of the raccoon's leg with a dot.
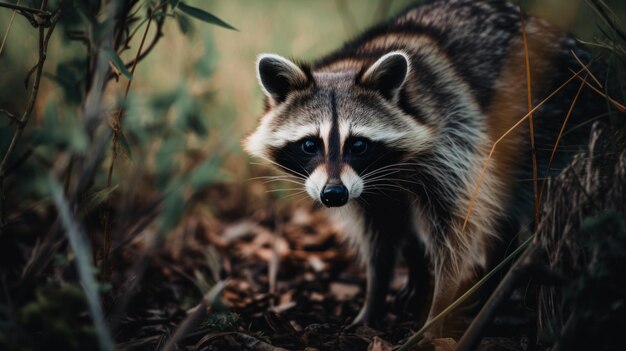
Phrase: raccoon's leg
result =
(448, 286)
(380, 254)
(415, 295)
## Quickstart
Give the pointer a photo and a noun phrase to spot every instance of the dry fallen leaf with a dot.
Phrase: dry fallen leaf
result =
(379, 344)
(444, 344)
(343, 291)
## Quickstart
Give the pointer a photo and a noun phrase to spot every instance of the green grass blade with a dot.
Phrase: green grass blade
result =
(82, 251)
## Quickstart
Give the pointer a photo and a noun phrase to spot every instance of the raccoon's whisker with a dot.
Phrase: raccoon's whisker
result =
(289, 180)
(274, 177)
(295, 194)
(284, 180)
(284, 167)
(297, 160)
(373, 163)
(284, 189)
(394, 186)
(382, 191)
(392, 183)
(383, 179)
(360, 199)
(300, 199)
(395, 165)
(382, 174)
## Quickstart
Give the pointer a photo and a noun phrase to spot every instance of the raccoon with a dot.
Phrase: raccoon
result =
(393, 130)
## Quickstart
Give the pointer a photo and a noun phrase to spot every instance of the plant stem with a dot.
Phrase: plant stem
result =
(472, 336)
(44, 38)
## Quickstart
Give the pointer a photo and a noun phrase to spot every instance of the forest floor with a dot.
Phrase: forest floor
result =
(290, 283)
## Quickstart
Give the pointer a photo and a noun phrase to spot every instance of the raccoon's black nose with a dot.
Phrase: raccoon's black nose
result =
(334, 195)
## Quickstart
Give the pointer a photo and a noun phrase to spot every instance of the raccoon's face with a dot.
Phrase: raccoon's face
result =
(336, 132)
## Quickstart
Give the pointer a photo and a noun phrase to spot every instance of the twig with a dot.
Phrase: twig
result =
(11, 116)
(530, 115)
(254, 344)
(17, 7)
(149, 48)
(586, 69)
(472, 336)
(44, 38)
(199, 312)
(37, 17)
(619, 106)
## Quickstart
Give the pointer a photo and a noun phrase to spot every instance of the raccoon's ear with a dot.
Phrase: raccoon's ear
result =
(279, 76)
(387, 75)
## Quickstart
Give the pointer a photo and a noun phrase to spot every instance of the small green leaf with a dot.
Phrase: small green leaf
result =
(116, 60)
(173, 211)
(95, 199)
(205, 174)
(124, 145)
(184, 24)
(203, 15)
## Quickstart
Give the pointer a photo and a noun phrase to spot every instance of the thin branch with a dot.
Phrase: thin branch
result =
(199, 312)
(619, 106)
(530, 115)
(142, 54)
(44, 38)
(11, 116)
(37, 17)
(520, 270)
(31, 10)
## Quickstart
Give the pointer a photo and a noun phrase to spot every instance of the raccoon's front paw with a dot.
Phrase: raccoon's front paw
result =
(361, 319)
(434, 332)
(367, 318)
(406, 300)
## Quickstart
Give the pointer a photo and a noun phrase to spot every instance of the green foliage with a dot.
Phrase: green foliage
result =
(203, 15)
(184, 24)
(158, 133)
(222, 321)
(57, 316)
(70, 75)
(116, 60)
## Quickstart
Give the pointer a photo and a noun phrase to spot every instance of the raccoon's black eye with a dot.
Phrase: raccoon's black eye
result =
(309, 147)
(358, 147)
